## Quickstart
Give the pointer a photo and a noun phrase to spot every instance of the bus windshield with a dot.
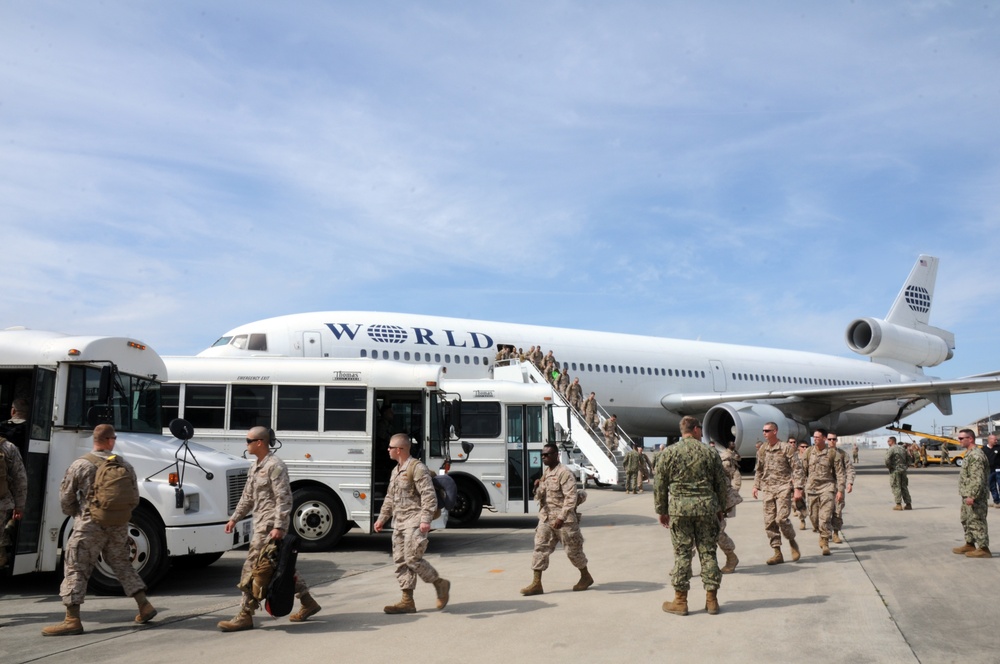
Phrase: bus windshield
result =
(135, 400)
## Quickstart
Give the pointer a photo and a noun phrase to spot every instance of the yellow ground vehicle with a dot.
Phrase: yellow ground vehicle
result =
(956, 453)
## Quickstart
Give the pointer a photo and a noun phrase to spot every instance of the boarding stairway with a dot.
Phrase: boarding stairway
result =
(572, 432)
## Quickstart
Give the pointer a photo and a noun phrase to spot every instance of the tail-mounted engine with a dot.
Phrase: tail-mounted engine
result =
(925, 347)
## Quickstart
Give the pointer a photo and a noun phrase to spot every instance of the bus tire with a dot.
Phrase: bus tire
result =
(147, 549)
(958, 461)
(468, 508)
(317, 519)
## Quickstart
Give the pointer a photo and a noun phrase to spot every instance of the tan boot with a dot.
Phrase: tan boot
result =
(536, 585)
(796, 554)
(908, 506)
(70, 625)
(442, 587)
(836, 538)
(586, 580)
(824, 546)
(964, 549)
(777, 558)
(242, 621)
(405, 605)
(679, 606)
(307, 607)
(731, 562)
(712, 602)
(897, 508)
(802, 524)
(979, 553)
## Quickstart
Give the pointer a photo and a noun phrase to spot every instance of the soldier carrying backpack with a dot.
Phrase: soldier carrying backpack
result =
(13, 493)
(99, 491)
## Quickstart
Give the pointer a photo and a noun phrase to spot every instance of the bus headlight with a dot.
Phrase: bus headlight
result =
(192, 503)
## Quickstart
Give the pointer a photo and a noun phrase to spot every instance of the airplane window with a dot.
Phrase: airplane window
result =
(406, 356)
(222, 341)
(605, 368)
(612, 368)
(590, 367)
(395, 354)
(437, 357)
(447, 359)
(240, 341)
(258, 342)
(475, 359)
(574, 366)
(364, 353)
(619, 369)
(466, 359)
(642, 371)
(702, 374)
(385, 355)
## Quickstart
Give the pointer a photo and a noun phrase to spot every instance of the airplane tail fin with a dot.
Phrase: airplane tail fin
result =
(912, 307)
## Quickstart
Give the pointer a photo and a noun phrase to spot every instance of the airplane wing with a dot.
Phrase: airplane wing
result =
(816, 402)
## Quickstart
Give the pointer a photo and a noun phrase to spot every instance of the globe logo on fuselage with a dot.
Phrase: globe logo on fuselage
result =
(387, 334)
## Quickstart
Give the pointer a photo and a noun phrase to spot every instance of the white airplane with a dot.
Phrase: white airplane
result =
(651, 382)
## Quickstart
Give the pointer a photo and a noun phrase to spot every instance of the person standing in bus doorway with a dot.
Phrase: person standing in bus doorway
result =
(972, 487)
(558, 521)
(16, 428)
(13, 493)
(410, 502)
(91, 540)
(268, 494)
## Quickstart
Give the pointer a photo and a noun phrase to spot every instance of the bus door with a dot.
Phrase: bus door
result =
(37, 387)
(395, 411)
(524, 456)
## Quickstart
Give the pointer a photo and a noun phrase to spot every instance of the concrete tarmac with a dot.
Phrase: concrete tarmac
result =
(892, 592)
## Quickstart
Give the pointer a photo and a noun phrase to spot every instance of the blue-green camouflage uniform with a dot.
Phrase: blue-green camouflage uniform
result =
(896, 461)
(691, 488)
(632, 464)
(972, 484)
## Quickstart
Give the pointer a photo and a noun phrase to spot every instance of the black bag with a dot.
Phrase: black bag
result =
(281, 592)
(447, 491)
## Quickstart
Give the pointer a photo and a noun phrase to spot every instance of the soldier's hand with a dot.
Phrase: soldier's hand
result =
(755, 493)
(969, 501)
(797, 494)
(665, 520)
(840, 496)
(17, 515)
(378, 526)
(557, 524)
(850, 487)
(229, 526)
(276, 533)
(425, 528)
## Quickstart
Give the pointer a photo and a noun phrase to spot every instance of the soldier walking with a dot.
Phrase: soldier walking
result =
(268, 494)
(825, 479)
(690, 494)
(610, 428)
(972, 487)
(779, 478)
(590, 411)
(633, 467)
(574, 394)
(410, 502)
(91, 540)
(731, 468)
(13, 493)
(837, 523)
(558, 521)
(895, 461)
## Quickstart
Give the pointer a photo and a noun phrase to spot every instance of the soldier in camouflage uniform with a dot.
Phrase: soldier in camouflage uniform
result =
(13, 495)
(633, 466)
(972, 487)
(610, 429)
(268, 494)
(837, 523)
(731, 467)
(895, 461)
(801, 510)
(574, 394)
(690, 493)
(779, 477)
(90, 540)
(558, 521)
(825, 479)
(410, 502)
(590, 411)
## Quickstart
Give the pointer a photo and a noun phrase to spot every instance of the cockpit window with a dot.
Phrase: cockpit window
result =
(239, 341)
(221, 342)
(258, 342)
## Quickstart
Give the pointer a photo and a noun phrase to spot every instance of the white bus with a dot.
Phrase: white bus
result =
(326, 414)
(73, 383)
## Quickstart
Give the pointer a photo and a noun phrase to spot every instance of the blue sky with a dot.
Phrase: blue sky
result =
(758, 174)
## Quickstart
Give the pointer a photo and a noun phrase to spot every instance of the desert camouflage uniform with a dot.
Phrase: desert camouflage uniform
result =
(268, 494)
(731, 468)
(826, 476)
(777, 474)
(409, 501)
(574, 394)
(17, 491)
(633, 466)
(690, 486)
(895, 461)
(972, 484)
(854, 452)
(557, 499)
(610, 428)
(590, 412)
(90, 539)
(837, 523)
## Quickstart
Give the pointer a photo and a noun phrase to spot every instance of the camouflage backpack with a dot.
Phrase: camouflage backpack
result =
(114, 493)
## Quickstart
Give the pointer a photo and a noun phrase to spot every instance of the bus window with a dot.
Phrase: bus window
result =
(345, 409)
(250, 406)
(205, 406)
(298, 408)
(135, 401)
(480, 419)
(170, 400)
(41, 405)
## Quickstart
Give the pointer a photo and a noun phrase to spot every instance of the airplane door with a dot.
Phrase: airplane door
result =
(718, 376)
(312, 344)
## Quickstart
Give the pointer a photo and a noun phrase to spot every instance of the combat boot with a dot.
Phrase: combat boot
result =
(242, 621)
(442, 586)
(586, 580)
(777, 558)
(979, 553)
(731, 562)
(712, 602)
(679, 606)
(796, 554)
(802, 524)
(146, 610)
(70, 625)
(405, 605)
(536, 585)
(824, 546)
(836, 538)
(307, 607)
(962, 550)
(897, 508)
(908, 506)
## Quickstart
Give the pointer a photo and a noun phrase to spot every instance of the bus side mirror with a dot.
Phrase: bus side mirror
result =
(105, 385)
(101, 414)
(467, 448)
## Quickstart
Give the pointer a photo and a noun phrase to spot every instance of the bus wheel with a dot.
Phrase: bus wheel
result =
(317, 519)
(147, 550)
(468, 508)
